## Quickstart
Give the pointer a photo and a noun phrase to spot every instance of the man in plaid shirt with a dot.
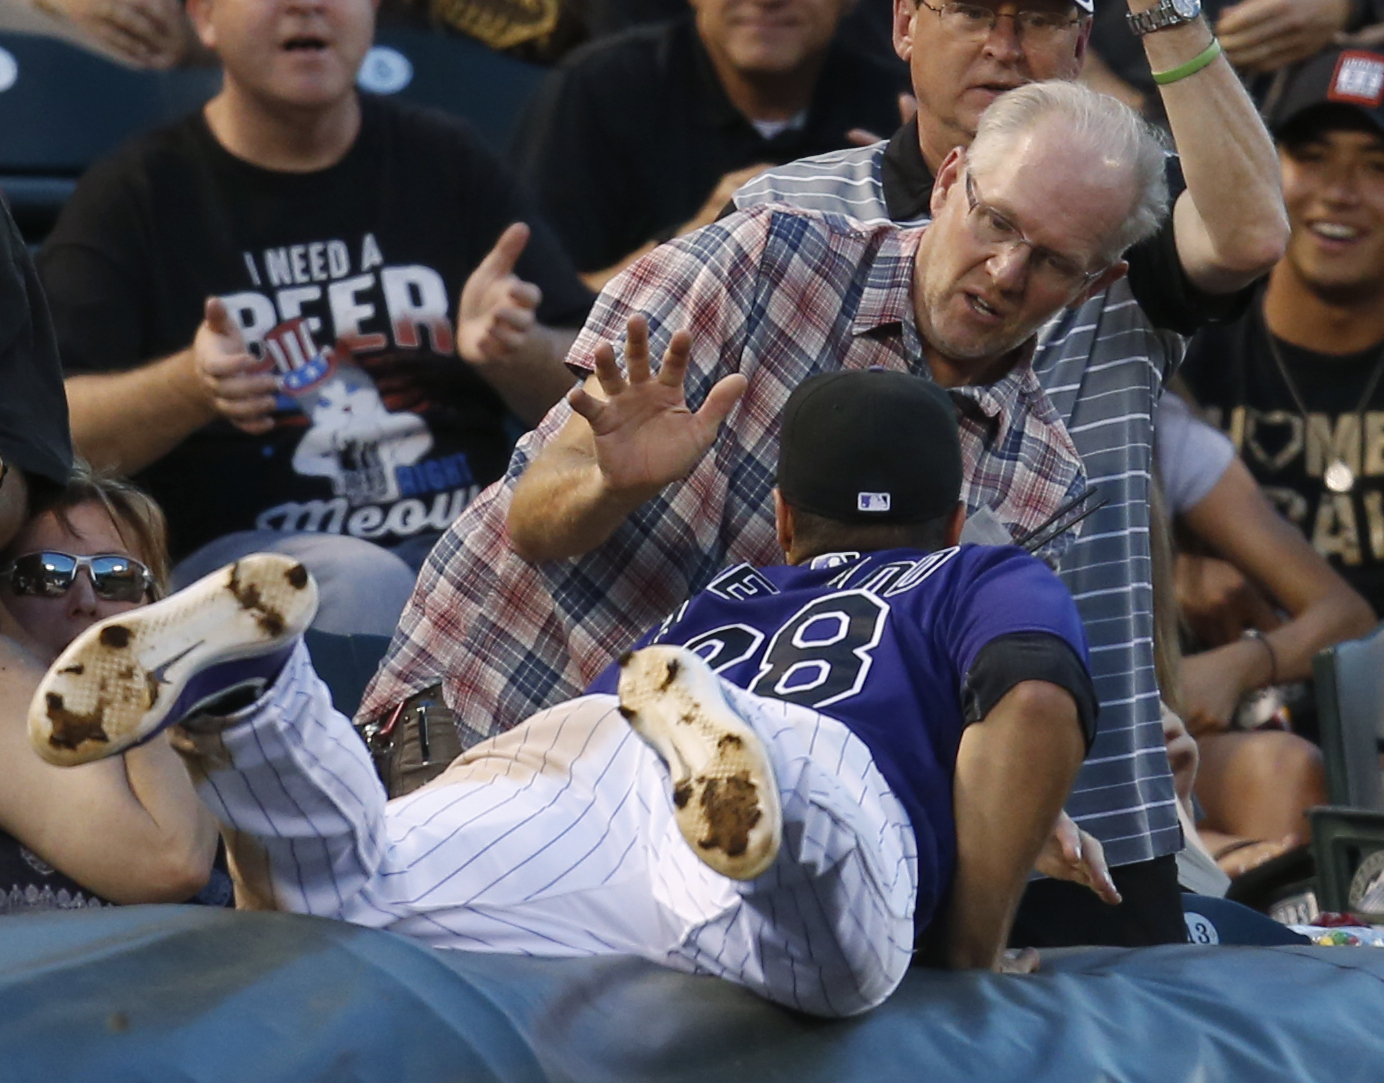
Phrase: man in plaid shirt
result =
(630, 502)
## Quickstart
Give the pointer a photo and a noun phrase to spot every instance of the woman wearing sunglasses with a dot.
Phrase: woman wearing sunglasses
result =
(127, 830)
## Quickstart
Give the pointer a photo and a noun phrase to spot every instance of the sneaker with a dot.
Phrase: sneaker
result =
(725, 797)
(129, 676)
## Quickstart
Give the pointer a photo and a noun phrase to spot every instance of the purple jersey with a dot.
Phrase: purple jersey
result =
(888, 643)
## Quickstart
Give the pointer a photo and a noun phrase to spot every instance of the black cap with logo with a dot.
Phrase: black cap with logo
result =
(1350, 78)
(870, 446)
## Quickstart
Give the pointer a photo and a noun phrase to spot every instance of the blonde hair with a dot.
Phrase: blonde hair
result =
(137, 517)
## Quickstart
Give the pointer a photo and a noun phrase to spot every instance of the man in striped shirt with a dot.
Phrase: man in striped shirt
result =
(1103, 364)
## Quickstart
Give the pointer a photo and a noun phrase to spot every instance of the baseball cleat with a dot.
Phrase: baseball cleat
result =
(724, 794)
(130, 676)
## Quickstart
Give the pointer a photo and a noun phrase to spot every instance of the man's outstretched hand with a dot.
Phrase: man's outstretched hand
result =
(646, 437)
(1073, 854)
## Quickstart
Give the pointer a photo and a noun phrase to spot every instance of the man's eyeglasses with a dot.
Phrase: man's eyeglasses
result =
(994, 230)
(978, 21)
(50, 574)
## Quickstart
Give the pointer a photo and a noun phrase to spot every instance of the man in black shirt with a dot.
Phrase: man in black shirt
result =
(35, 449)
(321, 392)
(644, 136)
(1298, 381)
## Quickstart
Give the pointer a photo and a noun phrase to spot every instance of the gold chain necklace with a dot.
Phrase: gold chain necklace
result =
(1338, 475)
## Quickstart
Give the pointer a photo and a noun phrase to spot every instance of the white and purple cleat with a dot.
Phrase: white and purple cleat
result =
(129, 677)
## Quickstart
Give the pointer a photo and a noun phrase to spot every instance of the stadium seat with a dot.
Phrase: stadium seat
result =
(1350, 703)
(64, 107)
(454, 74)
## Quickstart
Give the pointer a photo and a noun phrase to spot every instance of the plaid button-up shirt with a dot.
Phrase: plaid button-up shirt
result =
(777, 295)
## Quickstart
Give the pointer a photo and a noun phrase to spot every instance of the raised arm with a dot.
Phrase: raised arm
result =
(627, 439)
(1240, 525)
(1014, 769)
(1229, 223)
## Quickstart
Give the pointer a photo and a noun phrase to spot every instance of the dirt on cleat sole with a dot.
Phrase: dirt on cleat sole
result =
(724, 795)
(116, 683)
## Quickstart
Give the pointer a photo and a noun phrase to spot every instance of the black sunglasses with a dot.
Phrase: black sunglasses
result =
(50, 574)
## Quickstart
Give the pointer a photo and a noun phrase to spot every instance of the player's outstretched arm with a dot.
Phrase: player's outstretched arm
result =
(1014, 769)
(629, 436)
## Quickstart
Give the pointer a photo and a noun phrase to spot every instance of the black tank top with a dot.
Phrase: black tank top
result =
(29, 884)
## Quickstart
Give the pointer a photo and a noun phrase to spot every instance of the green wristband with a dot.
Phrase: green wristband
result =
(1203, 58)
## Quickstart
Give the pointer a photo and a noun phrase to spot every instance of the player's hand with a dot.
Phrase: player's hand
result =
(1073, 854)
(646, 437)
(146, 33)
(1265, 35)
(235, 381)
(498, 311)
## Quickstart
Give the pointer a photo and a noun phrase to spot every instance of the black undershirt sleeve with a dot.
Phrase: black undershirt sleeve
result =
(1168, 297)
(1028, 656)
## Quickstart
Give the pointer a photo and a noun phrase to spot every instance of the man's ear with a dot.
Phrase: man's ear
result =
(948, 174)
(783, 523)
(956, 524)
(904, 13)
(199, 11)
(1083, 41)
(1103, 281)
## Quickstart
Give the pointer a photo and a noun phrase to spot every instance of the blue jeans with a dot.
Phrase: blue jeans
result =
(363, 587)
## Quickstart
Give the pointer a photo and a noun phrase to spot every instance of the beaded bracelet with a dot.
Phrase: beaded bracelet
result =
(1203, 58)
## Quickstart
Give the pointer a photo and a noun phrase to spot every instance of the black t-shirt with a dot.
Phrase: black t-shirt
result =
(1169, 298)
(1233, 375)
(33, 408)
(628, 137)
(372, 252)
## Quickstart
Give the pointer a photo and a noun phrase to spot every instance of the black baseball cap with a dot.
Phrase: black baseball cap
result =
(870, 446)
(1347, 79)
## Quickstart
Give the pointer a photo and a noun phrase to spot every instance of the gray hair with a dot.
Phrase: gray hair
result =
(1095, 121)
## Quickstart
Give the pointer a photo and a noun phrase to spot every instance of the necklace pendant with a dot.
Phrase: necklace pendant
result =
(1339, 477)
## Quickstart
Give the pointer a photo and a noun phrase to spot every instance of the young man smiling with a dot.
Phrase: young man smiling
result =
(1297, 380)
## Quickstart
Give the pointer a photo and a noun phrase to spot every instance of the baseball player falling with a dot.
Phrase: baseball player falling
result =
(799, 775)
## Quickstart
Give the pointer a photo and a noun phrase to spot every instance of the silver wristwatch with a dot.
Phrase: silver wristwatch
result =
(1167, 13)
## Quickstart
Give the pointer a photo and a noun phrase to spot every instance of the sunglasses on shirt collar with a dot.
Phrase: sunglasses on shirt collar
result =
(50, 574)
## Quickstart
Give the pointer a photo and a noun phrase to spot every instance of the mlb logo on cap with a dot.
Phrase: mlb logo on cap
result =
(1358, 80)
(872, 502)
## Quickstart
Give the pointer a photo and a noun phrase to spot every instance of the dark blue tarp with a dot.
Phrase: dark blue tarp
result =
(185, 993)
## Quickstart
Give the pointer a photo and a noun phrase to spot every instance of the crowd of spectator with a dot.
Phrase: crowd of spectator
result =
(314, 321)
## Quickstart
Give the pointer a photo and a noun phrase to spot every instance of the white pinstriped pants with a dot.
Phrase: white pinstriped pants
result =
(558, 839)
